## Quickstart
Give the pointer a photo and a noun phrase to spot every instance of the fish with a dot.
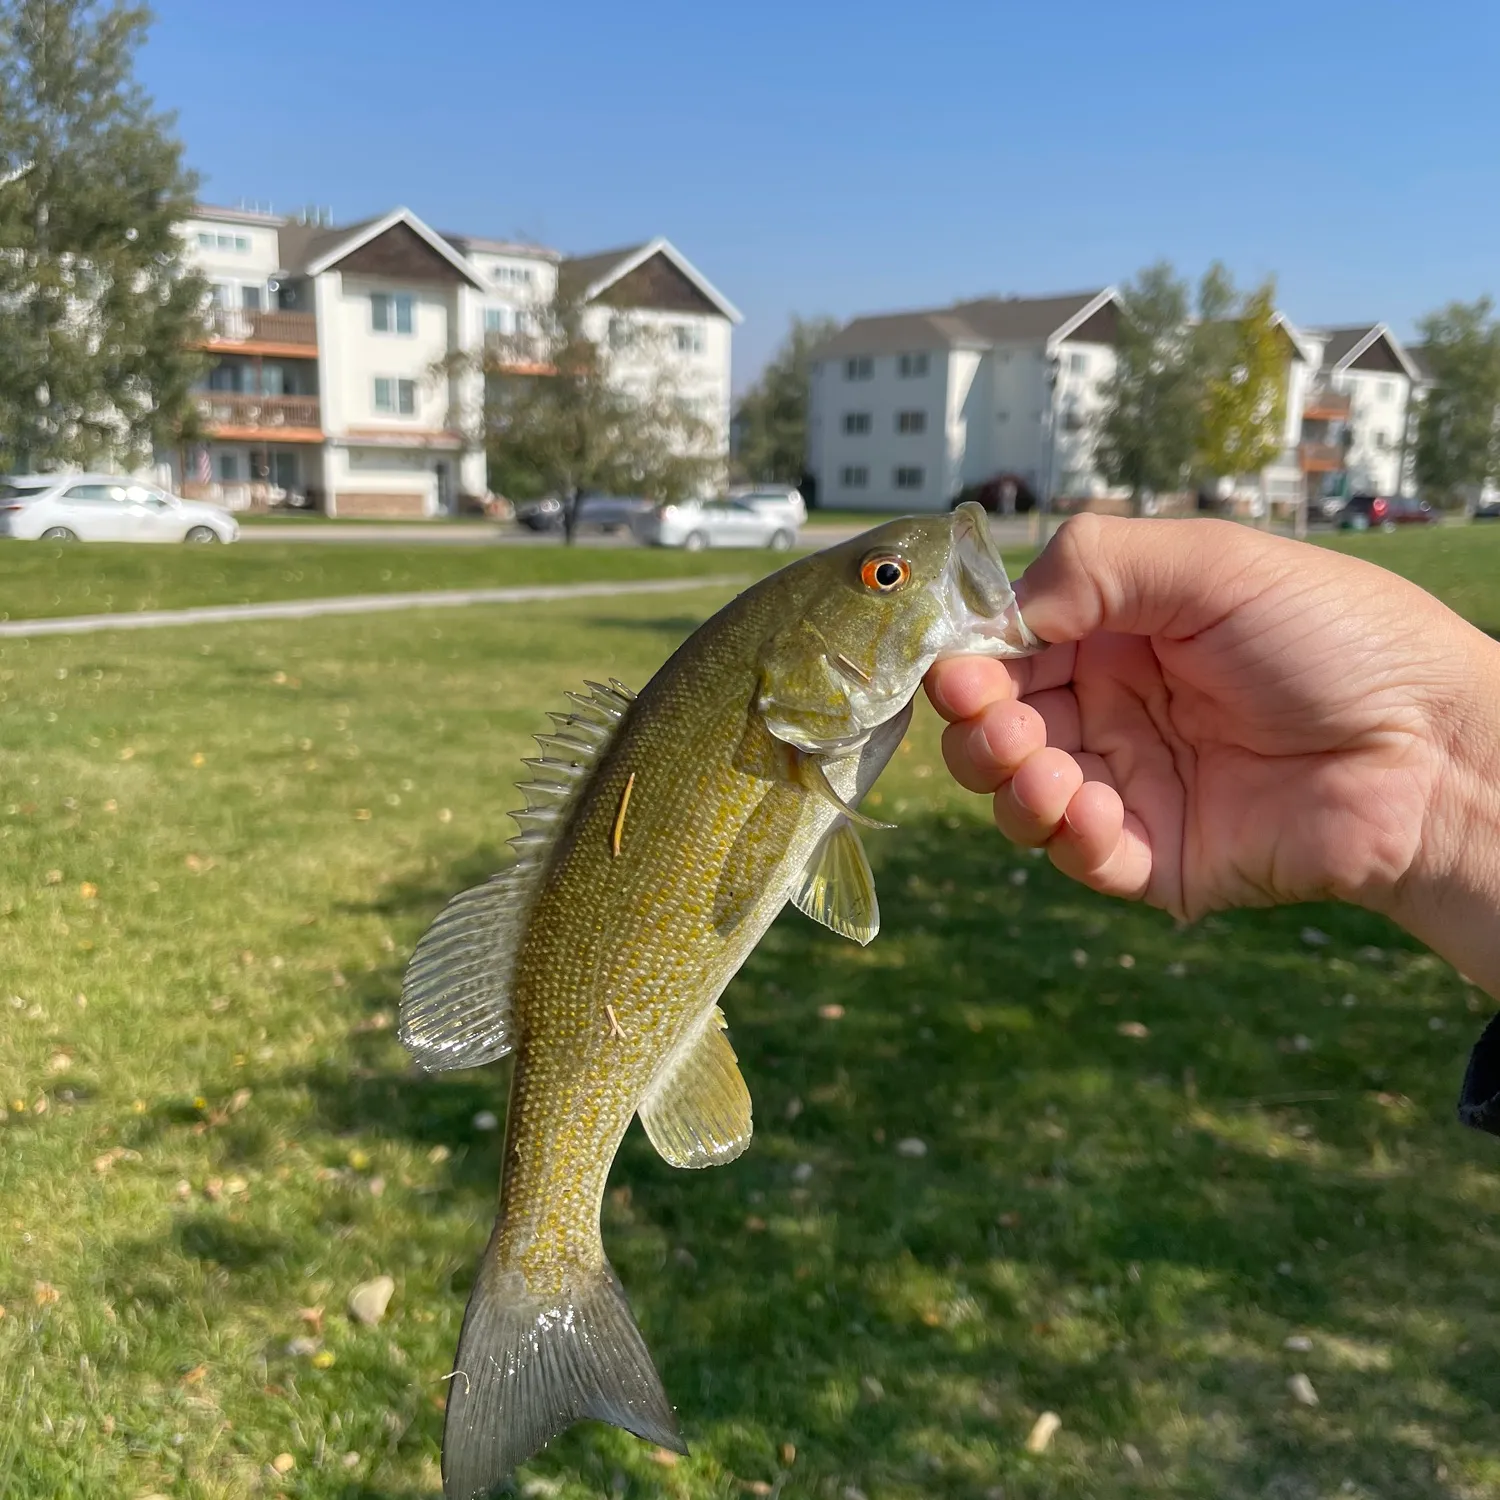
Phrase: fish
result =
(662, 833)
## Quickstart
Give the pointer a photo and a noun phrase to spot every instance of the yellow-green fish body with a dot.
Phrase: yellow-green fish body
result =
(662, 836)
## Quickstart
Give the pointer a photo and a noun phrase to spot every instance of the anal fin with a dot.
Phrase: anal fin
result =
(836, 887)
(699, 1113)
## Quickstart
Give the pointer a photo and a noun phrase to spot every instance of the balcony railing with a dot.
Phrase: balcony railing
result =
(1320, 458)
(259, 413)
(234, 325)
(1326, 406)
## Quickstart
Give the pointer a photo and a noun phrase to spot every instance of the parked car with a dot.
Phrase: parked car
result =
(1364, 511)
(1487, 510)
(696, 524)
(105, 508)
(783, 500)
(608, 513)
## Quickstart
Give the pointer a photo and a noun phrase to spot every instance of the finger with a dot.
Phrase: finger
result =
(1058, 708)
(1030, 806)
(983, 752)
(959, 687)
(1147, 577)
(1095, 768)
(1103, 846)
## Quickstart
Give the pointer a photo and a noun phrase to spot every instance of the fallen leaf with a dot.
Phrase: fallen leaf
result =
(198, 760)
(238, 1100)
(1298, 1343)
(59, 1062)
(665, 1457)
(911, 1147)
(194, 1375)
(445, 815)
(46, 1294)
(1043, 1430)
(302, 1347)
(1302, 1390)
(54, 877)
(128, 753)
(312, 1316)
(1137, 1029)
(369, 1300)
(283, 1463)
(755, 1224)
(485, 1120)
(362, 814)
(438, 1154)
(755, 1486)
(788, 1451)
(831, 1012)
(88, 890)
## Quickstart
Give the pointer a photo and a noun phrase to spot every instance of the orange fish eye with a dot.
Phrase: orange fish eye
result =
(884, 572)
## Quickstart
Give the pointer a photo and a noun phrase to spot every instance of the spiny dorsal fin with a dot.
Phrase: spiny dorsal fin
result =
(455, 998)
(699, 1113)
(836, 887)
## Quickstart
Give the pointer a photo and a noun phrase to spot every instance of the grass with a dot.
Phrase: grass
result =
(1151, 1155)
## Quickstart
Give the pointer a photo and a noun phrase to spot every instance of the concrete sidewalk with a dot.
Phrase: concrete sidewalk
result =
(358, 604)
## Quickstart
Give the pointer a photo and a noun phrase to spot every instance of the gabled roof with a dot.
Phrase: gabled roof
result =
(895, 332)
(1004, 320)
(1342, 346)
(597, 273)
(313, 248)
(468, 243)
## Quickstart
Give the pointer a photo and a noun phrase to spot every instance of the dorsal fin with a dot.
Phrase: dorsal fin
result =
(455, 998)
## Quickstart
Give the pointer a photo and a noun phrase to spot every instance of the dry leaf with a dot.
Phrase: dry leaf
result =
(1043, 1430)
(362, 814)
(755, 1224)
(46, 1294)
(88, 890)
(54, 877)
(370, 1299)
(194, 1375)
(198, 757)
(789, 1450)
(831, 1012)
(665, 1457)
(283, 1463)
(1136, 1029)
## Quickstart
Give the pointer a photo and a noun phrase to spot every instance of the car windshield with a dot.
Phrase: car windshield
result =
(11, 491)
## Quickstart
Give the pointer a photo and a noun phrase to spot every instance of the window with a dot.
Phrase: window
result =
(398, 396)
(93, 493)
(1078, 363)
(525, 321)
(390, 312)
(250, 298)
(229, 467)
(512, 275)
(862, 367)
(909, 366)
(221, 293)
(205, 239)
(497, 320)
(1387, 390)
(856, 422)
(911, 421)
(621, 332)
(239, 242)
(855, 477)
(908, 479)
(688, 338)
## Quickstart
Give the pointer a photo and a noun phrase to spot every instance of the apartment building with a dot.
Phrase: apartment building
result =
(907, 409)
(339, 376)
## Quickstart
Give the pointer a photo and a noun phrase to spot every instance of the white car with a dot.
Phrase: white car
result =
(781, 500)
(105, 508)
(696, 524)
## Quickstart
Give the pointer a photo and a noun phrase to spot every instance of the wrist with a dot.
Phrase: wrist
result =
(1449, 897)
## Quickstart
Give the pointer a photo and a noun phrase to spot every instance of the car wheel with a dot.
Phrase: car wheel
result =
(1387, 525)
(781, 541)
(694, 542)
(59, 534)
(201, 534)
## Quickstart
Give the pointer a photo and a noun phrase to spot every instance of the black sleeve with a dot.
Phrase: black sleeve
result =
(1479, 1103)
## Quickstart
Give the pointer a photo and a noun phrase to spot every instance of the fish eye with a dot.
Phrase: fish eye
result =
(884, 572)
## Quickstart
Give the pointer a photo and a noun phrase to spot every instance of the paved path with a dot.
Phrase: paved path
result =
(358, 604)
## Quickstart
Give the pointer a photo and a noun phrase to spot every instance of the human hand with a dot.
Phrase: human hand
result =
(1232, 719)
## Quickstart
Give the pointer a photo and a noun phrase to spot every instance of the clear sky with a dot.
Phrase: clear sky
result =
(833, 157)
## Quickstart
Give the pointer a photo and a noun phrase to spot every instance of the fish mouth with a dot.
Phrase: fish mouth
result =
(982, 603)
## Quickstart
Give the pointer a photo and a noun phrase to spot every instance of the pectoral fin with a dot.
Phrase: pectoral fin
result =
(699, 1114)
(810, 773)
(836, 887)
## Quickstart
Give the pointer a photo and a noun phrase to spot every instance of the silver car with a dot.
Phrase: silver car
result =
(696, 524)
(105, 508)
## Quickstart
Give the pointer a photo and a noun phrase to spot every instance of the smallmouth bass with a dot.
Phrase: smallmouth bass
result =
(662, 834)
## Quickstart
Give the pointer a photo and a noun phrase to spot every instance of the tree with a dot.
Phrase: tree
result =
(583, 398)
(1149, 427)
(1243, 365)
(772, 414)
(1457, 444)
(97, 309)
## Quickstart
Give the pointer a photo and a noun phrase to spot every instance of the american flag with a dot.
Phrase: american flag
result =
(203, 469)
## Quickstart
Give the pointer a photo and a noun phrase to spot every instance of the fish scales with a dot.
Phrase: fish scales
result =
(663, 834)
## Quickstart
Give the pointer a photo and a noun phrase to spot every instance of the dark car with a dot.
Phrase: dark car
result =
(595, 513)
(1487, 510)
(1385, 511)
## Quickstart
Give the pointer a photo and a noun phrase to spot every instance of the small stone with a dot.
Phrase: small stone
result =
(485, 1120)
(1137, 1029)
(912, 1147)
(1126, 961)
(1298, 1343)
(369, 1300)
(1302, 1390)
(1315, 937)
(349, 1461)
(283, 1463)
(871, 1389)
(831, 1012)
(802, 1172)
(1043, 1430)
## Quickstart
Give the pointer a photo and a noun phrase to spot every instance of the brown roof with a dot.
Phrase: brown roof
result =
(302, 244)
(1001, 320)
(908, 330)
(1337, 342)
(585, 270)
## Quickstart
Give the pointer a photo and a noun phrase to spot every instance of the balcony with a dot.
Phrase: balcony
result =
(277, 419)
(242, 331)
(1320, 458)
(1325, 406)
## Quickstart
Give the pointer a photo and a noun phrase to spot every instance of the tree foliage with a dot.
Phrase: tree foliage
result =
(1243, 363)
(97, 309)
(584, 400)
(1457, 443)
(772, 414)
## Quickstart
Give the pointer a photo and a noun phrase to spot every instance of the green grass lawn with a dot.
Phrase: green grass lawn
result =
(1148, 1158)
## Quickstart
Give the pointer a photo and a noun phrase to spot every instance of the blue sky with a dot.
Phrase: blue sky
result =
(830, 157)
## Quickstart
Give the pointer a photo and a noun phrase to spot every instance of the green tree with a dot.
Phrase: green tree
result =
(584, 399)
(97, 310)
(772, 414)
(1149, 427)
(1457, 444)
(1243, 367)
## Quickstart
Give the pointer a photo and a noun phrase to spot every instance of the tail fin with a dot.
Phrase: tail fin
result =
(527, 1368)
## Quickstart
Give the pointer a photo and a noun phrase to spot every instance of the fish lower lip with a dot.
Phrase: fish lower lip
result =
(984, 591)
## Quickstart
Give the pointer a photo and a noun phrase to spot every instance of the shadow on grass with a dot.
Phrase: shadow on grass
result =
(1051, 1154)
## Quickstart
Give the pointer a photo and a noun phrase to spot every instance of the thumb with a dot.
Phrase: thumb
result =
(1146, 577)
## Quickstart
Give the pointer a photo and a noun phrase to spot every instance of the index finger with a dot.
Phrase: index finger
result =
(959, 687)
